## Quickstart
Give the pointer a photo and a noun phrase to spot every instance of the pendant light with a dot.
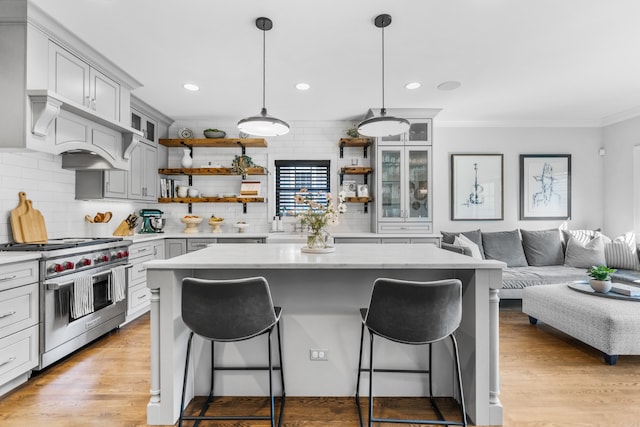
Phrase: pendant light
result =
(383, 125)
(263, 124)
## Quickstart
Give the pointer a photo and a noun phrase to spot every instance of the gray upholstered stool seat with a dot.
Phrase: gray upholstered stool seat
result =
(609, 325)
(230, 311)
(415, 313)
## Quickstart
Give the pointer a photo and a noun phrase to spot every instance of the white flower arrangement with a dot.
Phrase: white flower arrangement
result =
(318, 215)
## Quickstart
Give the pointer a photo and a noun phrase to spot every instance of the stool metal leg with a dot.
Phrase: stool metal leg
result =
(359, 374)
(271, 399)
(284, 393)
(184, 380)
(370, 379)
(463, 410)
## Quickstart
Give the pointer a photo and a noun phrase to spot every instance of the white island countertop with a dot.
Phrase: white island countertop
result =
(352, 256)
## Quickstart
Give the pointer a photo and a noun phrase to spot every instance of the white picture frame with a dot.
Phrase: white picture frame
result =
(350, 188)
(363, 190)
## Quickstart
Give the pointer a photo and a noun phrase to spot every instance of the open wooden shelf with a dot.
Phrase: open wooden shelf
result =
(355, 170)
(214, 142)
(209, 171)
(358, 199)
(355, 142)
(211, 200)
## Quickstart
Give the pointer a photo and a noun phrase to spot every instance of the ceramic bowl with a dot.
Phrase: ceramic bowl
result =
(211, 134)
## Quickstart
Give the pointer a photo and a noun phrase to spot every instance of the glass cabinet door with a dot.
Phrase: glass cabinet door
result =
(390, 167)
(418, 183)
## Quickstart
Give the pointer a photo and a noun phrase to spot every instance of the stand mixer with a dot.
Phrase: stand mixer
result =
(152, 221)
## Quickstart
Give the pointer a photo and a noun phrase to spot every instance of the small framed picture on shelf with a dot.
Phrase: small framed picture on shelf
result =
(363, 190)
(349, 188)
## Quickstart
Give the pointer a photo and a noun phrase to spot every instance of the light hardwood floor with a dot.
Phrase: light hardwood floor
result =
(548, 379)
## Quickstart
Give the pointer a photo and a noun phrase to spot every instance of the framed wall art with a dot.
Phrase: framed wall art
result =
(477, 187)
(545, 186)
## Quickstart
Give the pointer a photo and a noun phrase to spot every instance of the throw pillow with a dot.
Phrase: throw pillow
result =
(504, 246)
(585, 255)
(543, 247)
(621, 252)
(464, 241)
(583, 236)
(474, 235)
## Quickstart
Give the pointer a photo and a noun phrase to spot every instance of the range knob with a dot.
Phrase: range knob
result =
(56, 268)
(126, 254)
(68, 265)
(105, 258)
(84, 262)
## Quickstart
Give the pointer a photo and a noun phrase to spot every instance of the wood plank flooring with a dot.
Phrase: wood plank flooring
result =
(548, 379)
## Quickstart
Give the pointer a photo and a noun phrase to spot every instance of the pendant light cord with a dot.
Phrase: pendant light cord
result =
(264, 67)
(383, 109)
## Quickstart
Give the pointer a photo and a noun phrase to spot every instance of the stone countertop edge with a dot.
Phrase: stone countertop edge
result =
(136, 238)
(14, 257)
(347, 256)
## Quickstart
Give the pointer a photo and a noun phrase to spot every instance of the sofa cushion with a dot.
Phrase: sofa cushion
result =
(504, 246)
(522, 277)
(474, 235)
(543, 247)
(621, 252)
(464, 241)
(585, 255)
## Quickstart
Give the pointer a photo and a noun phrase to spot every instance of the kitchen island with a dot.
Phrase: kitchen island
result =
(320, 295)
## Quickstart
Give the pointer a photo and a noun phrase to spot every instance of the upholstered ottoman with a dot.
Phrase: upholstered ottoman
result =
(610, 325)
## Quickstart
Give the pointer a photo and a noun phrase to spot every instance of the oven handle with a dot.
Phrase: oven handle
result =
(53, 286)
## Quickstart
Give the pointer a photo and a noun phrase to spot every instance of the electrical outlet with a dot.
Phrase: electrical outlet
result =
(320, 354)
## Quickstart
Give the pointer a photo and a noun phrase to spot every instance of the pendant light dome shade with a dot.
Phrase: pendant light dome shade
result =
(263, 124)
(383, 125)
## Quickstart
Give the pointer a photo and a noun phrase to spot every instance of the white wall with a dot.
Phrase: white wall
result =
(586, 171)
(52, 188)
(618, 190)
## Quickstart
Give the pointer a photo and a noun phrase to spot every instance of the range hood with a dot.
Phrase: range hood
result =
(85, 160)
(84, 139)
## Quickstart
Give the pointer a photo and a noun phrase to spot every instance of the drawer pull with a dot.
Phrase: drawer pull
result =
(141, 270)
(7, 278)
(142, 250)
(142, 296)
(11, 313)
(9, 360)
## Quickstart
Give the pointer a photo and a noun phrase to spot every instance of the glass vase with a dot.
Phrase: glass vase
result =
(317, 239)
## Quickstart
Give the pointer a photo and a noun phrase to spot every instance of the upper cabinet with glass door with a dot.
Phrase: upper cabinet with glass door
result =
(419, 134)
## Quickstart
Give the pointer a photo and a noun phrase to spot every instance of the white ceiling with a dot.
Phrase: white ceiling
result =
(573, 62)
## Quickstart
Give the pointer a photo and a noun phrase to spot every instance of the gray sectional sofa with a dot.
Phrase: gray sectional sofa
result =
(543, 257)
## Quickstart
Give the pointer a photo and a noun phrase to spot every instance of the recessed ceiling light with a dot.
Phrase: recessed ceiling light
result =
(303, 86)
(450, 85)
(412, 85)
(191, 87)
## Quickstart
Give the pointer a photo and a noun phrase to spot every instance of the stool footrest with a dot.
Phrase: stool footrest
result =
(404, 421)
(408, 371)
(245, 368)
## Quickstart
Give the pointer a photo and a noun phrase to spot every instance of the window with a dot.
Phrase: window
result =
(294, 175)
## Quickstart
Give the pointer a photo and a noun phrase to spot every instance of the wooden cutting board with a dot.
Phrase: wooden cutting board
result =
(15, 217)
(33, 226)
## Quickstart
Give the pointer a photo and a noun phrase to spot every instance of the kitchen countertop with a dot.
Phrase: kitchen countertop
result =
(276, 237)
(352, 255)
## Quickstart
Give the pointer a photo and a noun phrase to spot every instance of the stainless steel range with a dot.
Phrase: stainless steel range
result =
(82, 293)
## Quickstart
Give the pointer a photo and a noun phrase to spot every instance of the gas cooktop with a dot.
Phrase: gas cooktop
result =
(54, 244)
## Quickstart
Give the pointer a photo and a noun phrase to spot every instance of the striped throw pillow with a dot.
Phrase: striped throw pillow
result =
(621, 252)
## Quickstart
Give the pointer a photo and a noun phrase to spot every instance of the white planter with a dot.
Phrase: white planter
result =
(603, 286)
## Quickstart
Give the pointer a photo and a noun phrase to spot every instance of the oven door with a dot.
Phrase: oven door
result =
(60, 327)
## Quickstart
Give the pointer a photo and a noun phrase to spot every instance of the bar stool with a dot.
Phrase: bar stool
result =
(230, 311)
(414, 313)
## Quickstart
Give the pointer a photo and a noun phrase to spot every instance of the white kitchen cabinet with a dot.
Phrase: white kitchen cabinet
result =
(19, 317)
(403, 202)
(145, 124)
(138, 294)
(175, 247)
(74, 79)
(142, 176)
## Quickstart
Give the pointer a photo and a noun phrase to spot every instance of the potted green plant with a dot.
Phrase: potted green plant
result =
(214, 133)
(600, 278)
(353, 132)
